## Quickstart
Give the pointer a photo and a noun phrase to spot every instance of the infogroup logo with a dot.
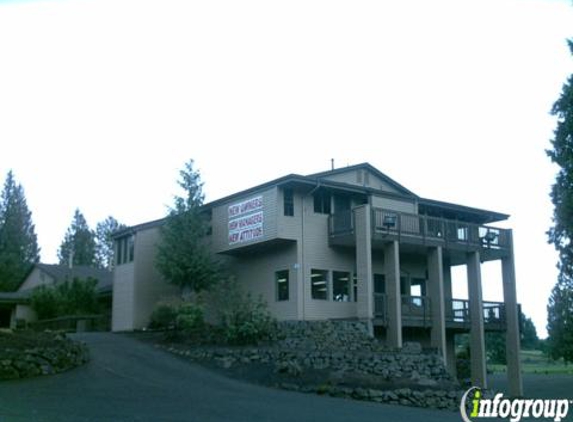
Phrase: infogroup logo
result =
(514, 409)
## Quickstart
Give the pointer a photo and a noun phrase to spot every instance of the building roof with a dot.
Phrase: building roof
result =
(14, 297)
(429, 206)
(369, 167)
(62, 272)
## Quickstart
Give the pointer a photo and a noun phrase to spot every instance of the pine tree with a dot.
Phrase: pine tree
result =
(18, 242)
(182, 256)
(559, 323)
(104, 241)
(79, 242)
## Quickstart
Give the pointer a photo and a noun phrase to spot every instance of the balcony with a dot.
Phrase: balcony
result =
(415, 229)
(417, 312)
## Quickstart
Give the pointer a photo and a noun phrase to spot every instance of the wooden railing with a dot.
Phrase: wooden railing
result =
(438, 229)
(422, 228)
(418, 309)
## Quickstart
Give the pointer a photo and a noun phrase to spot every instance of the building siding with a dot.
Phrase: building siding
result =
(362, 177)
(319, 255)
(123, 302)
(256, 273)
(36, 278)
(220, 221)
(407, 206)
(150, 286)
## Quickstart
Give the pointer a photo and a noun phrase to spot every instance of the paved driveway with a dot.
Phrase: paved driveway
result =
(131, 381)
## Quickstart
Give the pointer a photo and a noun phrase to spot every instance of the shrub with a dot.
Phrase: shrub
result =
(178, 318)
(240, 318)
(66, 299)
(45, 301)
(189, 318)
(163, 316)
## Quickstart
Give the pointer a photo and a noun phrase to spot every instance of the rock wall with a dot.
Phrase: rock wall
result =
(339, 358)
(39, 354)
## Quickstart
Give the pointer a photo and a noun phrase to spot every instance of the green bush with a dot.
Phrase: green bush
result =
(178, 318)
(163, 316)
(189, 318)
(45, 301)
(66, 299)
(241, 319)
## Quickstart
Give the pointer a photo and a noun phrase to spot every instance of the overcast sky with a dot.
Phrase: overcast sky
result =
(102, 102)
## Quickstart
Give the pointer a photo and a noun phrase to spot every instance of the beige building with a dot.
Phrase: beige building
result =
(350, 243)
(15, 309)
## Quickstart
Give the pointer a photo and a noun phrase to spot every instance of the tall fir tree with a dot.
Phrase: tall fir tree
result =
(104, 241)
(182, 256)
(79, 242)
(559, 323)
(18, 241)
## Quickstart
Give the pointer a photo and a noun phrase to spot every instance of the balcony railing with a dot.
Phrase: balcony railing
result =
(417, 310)
(423, 229)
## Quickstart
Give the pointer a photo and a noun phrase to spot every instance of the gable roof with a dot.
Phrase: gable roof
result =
(371, 169)
(62, 272)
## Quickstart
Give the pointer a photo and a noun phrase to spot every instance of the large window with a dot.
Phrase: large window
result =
(355, 287)
(319, 284)
(340, 286)
(124, 250)
(322, 202)
(288, 199)
(379, 283)
(281, 281)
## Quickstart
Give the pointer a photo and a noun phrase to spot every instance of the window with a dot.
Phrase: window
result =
(379, 283)
(125, 250)
(322, 202)
(288, 198)
(319, 284)
(119, 252)
(281, 281)
(130, 248)
(340, 286)
(355, 287)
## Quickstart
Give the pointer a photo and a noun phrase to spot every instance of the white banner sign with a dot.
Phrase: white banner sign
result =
(245, 207)
(246, 220)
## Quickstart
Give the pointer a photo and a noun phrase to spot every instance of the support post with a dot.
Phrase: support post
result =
(392, 271)
(365, 299)
(512, 342)
(477, 338)
(436, 288)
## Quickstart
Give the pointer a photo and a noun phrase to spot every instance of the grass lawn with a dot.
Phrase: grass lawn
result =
(534, 362)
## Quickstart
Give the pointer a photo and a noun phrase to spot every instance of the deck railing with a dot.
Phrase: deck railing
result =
(422, 228)
(418, 310)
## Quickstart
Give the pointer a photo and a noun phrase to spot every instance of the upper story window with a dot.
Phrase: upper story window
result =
(288, 201)
(322, 201)
(282, 285)
(124, 250)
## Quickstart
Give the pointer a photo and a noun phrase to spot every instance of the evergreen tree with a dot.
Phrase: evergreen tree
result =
(182, 256)
(529, 339)
(78, 242)
(559, 323)
(104, 241)
(18, 242)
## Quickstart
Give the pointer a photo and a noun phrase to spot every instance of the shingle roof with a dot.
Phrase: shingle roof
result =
(62, 272)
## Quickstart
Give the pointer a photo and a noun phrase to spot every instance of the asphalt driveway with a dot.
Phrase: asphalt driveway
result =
(128, 380)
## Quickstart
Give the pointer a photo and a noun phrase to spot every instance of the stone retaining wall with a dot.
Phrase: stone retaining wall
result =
(345, 361)
(51, 355)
